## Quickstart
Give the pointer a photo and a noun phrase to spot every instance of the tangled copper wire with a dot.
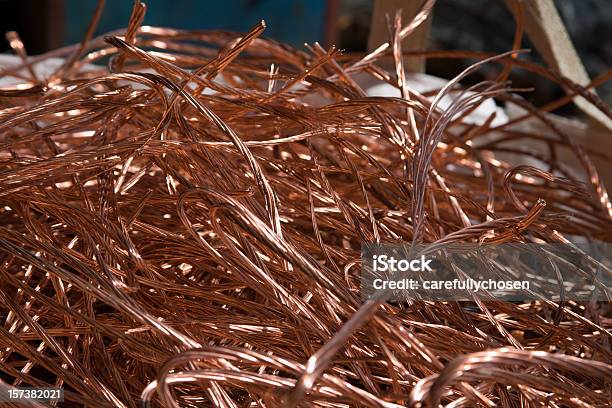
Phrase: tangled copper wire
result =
(182, 215)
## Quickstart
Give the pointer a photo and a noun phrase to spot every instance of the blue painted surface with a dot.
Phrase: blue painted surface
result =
(291, 21)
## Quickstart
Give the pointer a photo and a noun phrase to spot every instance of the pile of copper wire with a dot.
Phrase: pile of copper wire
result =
(182, 214)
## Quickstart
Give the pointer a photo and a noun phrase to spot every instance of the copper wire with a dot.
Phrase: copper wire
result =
(182, 214)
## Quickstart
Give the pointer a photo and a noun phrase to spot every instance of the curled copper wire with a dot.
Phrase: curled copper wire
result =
(182, 211)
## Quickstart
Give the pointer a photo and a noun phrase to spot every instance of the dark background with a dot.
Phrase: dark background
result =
(483, 25)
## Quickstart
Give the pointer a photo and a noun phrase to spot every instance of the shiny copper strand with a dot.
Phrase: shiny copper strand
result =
(183, 228)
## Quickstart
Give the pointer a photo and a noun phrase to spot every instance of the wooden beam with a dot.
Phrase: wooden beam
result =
(418, 40)
(548, 34)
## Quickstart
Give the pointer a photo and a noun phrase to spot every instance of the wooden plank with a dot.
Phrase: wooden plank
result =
(330, 34)
(418, 40)
(547, 32)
